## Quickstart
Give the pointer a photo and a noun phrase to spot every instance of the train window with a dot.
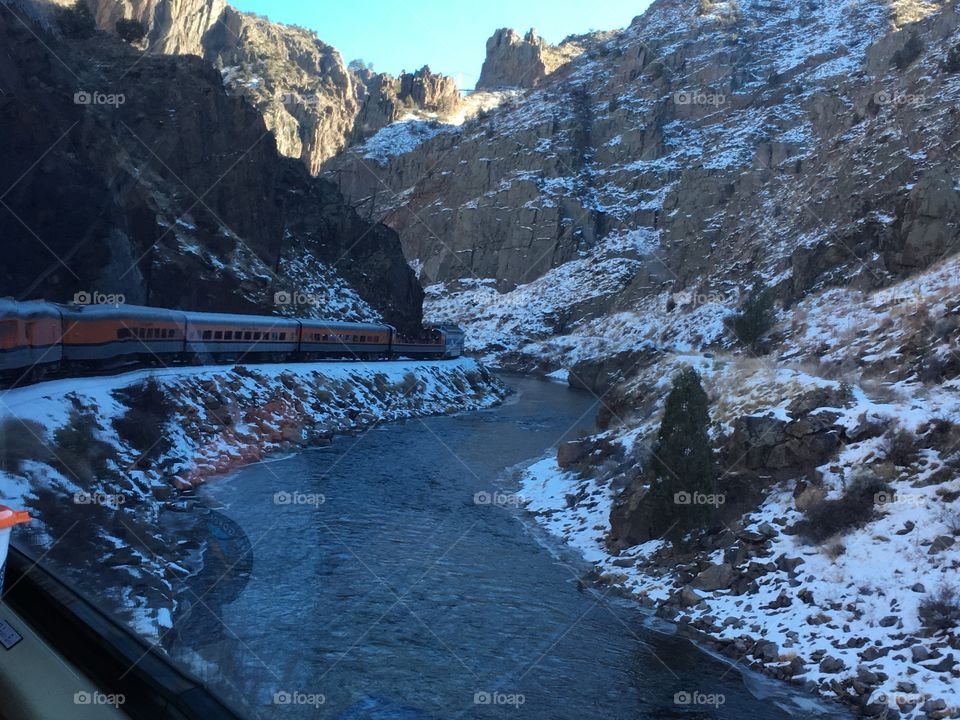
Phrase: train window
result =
(256, 336)
(228, 335)
(123, 333)
(283, 336)
(324, 338)
(149, 334)
(247, 335)
(207, 334)
(218, 335)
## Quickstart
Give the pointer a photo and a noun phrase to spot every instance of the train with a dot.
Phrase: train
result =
(40, 339)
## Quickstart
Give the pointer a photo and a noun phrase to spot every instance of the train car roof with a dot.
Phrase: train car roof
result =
(337, 325)
(9, 306)
(238, 319)
(129, 312)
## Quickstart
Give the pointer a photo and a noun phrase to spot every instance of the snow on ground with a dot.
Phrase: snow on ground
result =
(867, 594)
(865, 585)
(401, 137)
(414, 129)
(550, 305)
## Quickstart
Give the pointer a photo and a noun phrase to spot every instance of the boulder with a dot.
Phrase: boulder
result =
(570, 453)
(831, 665)
(833, 396)
(781, 601)
(788, 564)
(867, 428)
(715, 577)
(753, 437)
(930, 216)
(941, 543)
(868, 676)
(767, 652)
(796, 667)
(768, 443)
(813, 423)
(767, 530)
(688, 598)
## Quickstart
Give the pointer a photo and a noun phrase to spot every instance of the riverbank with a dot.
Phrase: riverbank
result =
(847, 612)
(97, 460)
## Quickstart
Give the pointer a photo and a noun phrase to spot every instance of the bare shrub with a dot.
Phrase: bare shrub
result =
(410, 384)
(79, 452)
(144, 425)
(21, 440)
(900, 447)
(836, 550)
(824, 519)
(941, 610)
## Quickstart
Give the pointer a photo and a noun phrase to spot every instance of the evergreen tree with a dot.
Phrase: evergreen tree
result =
(681, 468)
(130, 30)
(755, 317)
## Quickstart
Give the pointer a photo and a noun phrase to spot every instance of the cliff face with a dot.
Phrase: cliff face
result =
(137, 174)
(706, 128)
(175, 27)
(515, 62)
(314, 104)
(385, 100)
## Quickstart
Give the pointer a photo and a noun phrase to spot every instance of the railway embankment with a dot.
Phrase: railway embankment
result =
(99, 461)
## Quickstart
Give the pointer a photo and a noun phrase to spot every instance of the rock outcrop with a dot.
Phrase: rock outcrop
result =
(312, 101)
(155, 183)
(515, 62)
(385, 99)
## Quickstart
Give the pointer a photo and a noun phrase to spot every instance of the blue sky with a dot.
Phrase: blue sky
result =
(447, 35)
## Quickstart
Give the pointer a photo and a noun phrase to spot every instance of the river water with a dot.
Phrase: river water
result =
(365, 580)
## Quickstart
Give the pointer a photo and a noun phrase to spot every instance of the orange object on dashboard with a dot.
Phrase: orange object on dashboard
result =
(9, 518)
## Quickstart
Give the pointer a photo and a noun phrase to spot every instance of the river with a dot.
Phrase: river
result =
(391, 575)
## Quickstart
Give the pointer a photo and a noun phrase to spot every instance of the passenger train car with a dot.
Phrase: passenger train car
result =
(39, 338)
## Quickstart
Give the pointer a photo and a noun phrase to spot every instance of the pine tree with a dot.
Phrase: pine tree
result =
(755, 317)
(682, 463)
(130, 30)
